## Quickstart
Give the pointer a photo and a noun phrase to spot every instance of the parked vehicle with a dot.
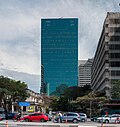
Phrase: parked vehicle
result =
(94, 119)
(11, 115)
(17, 117)
(109, 118)
(49, 116)
(71, 117)
(1, 118)
(83, 117)
(2, 113)
(35, 117)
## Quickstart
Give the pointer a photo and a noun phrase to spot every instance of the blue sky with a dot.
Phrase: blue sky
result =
(20, 29)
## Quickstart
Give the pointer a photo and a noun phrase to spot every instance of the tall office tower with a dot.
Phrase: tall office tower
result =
(59, 53)
(85, 72)
(106, 63)
(43, 85)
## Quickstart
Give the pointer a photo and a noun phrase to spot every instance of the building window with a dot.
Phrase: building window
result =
(115, 29)
(115, 38)
(114, 55)
(15, 108)
(115, 73)
(115, 64)
(114, 21)
(24, 108)
(114, 46)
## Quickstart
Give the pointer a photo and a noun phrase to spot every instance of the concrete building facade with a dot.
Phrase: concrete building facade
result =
(85, 72)
(106, 63)
(35, 100)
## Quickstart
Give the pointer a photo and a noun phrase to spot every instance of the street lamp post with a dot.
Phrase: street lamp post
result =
(100, 109)
(90, 109)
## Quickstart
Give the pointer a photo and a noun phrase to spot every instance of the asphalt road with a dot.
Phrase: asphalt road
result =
(51, 124)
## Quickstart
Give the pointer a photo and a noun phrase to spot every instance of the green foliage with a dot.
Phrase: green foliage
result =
(82, 104)
(63, 103)
(59, 103)
(71, 92)
(65, 95)
(54, 103)
(11, 91)
(75, 91)
(115, 89)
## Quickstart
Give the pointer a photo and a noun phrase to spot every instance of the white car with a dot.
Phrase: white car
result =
(109, 118)
(83, 117)
(71, 117)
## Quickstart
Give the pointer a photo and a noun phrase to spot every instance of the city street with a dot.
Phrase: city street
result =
(59, 63)
(51, 124)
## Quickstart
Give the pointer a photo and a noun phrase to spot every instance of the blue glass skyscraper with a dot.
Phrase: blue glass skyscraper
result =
(59, 52)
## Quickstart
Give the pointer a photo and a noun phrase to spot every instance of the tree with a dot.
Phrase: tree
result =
(76, 91)
(11, 91)
(64, 95)
(54, 103)
(59, 103)
(115, 93)
(46, 102)
(82, 104)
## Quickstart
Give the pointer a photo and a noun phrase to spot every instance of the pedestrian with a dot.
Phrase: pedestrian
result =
(60, 117)
(18, 116)
(118, 120)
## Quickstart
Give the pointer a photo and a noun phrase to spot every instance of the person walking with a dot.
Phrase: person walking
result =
(60, 117)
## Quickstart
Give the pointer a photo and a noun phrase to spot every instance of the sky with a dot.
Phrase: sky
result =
(20, 32)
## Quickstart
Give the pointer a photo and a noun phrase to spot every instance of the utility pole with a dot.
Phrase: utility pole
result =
(100, 105)
(90, 108)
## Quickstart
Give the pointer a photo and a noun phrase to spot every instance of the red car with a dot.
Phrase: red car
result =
(1, 118)
(35, 117)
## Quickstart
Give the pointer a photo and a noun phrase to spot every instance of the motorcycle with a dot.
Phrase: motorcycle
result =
(17, 118)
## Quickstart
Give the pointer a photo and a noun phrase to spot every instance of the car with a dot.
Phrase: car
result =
(1, 118)
(94, 118)
(71, 117)
(10, 115)
(35, 117)
(109, 118)
(83, 117)
(49, 116)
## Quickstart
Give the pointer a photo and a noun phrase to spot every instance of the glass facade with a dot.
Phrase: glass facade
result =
(59, 52)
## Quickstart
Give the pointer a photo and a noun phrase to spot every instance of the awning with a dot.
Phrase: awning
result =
(24, 104)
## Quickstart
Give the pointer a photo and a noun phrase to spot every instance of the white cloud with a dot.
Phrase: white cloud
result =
(20, 20)
(20, 28)
(33, 81)
(19, 40)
